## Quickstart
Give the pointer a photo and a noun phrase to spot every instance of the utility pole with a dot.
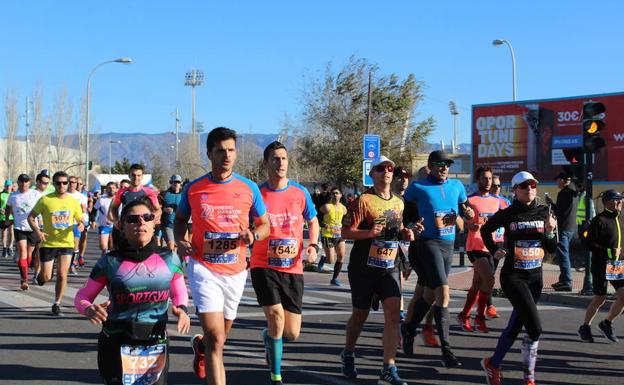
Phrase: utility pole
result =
(370, 94)
(455, 113)
(27, 126)
(193, 78)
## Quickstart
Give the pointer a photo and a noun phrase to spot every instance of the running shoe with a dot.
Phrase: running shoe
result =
(267, 346)
(199, 362)
(56, 310)
(348, 364)
(390, 376)
(491, 312)
(5, 253)
(24, 285)
(72, 270)
(464, 322)
(607, 331)
(529, 382)
(408, 340)
(492, 375)
(81, 260)
(335, 282)
(402, 315)
(449, 360)
(480, 325)
(585, 333)
(428, 336)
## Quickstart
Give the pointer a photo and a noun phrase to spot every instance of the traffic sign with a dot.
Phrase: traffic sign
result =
(371, 146)
(366, 167)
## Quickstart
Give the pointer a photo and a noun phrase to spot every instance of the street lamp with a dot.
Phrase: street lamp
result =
(110, 155)
(193, 78)
(124, 60)
(177, 138)
(498, 42)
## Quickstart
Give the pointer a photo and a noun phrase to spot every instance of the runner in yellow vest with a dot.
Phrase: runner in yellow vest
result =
(331, 238)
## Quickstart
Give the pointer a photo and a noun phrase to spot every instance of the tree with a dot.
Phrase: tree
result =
(335, 115)
(60, 123)
(11, 126)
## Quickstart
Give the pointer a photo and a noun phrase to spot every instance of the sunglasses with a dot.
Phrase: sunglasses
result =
(496, 185)
(526, 184)
(135, 218)
(336, 193)
(72, 181)
(382, 168)
(176, 182)
(44, 183)
(441, 163)
(61, 183)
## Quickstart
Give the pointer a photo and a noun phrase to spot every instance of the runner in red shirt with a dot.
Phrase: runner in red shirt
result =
(221, 204)
(276, 262)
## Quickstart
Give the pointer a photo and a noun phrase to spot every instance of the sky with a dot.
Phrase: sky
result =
(258, 56)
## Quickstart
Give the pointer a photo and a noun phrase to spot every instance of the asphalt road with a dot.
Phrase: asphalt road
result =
(36, 348)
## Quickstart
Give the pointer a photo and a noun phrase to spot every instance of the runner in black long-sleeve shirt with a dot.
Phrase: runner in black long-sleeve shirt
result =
(529, 231)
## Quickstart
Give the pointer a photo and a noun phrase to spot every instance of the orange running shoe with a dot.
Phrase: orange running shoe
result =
(530, 382)
(428, 336)
(492, 375)
(480, 324)
(491, 312)
(199, 362)
(464, 322)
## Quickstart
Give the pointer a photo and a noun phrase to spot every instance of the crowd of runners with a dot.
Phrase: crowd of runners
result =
(222, 227)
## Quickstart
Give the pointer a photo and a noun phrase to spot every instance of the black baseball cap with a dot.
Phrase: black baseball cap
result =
(563, 175)
(611, 195)
(23, 178)
(439, 156)
(401, 171)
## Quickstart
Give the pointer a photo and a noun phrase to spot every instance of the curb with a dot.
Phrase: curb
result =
(571, 300)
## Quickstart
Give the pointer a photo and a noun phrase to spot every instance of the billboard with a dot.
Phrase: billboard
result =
(531, 135)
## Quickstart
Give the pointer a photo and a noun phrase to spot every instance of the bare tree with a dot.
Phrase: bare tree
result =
(39, 134)
(11, 126)
(61, 121)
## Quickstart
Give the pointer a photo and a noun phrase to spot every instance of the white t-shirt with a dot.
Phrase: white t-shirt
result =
(22, 204)
(84, 201)
(102, 205)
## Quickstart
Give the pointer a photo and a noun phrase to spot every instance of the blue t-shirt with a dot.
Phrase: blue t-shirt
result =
(438, 203)
(172, 200)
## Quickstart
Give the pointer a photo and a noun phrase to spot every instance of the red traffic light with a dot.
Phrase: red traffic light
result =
(573, 155)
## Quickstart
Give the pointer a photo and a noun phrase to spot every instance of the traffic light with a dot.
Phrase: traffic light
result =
(90, 165)
(593, 123)
(574, 155)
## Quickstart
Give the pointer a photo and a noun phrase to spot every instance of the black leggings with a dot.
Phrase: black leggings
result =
(109, 359)
(523, 289)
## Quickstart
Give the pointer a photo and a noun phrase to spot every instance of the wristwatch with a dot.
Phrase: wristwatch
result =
(256, 236)
(316, 247)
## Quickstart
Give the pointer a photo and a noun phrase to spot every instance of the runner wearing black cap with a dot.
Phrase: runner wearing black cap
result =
(438, 200)
(604, 239)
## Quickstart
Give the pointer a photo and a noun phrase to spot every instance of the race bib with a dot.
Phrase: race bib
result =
(445, 222)
(336, 231)
(282, 252)
(142, 365)
(528, 254)
(61, 219)
(615, 270)
(483, 217)
(382, 254)
(221, 248)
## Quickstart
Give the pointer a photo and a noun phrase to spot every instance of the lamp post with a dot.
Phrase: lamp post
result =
(455, 113)
(498, 42)
(124, 60)
(193, 78)
(176, 115)
(110, 155)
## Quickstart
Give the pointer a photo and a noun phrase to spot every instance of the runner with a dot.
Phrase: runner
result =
(529, 232)
(140, 281)
(276, 262)
(484, 205)
(374, 222)
(58, 210)
(19, 205)
(605, 242)
(438, 200)
(6, 222)
(171, 200)
(105, 226)
(42, 181)
(331, 239)
(75, 185)
(400, 181)
(221, 204)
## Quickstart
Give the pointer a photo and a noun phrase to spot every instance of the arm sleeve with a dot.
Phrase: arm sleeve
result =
(86, 295)
(496, 221)
(179, 293)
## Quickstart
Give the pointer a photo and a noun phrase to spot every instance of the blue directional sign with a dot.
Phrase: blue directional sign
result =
(567, 141)
(366, 167)
(371, 146)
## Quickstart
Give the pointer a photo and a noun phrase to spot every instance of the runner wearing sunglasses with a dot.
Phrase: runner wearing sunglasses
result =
(331, 239)
(58, 212)
(529, 232)
(133, 346)
(438, 200)
(374, 222)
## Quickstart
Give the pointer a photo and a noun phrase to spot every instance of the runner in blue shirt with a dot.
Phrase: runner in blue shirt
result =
(438, 200)
(171, 200)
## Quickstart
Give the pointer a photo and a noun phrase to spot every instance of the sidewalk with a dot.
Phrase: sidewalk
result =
(461, 279)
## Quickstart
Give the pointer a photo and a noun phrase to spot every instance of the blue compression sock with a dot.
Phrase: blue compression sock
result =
(277, 350)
